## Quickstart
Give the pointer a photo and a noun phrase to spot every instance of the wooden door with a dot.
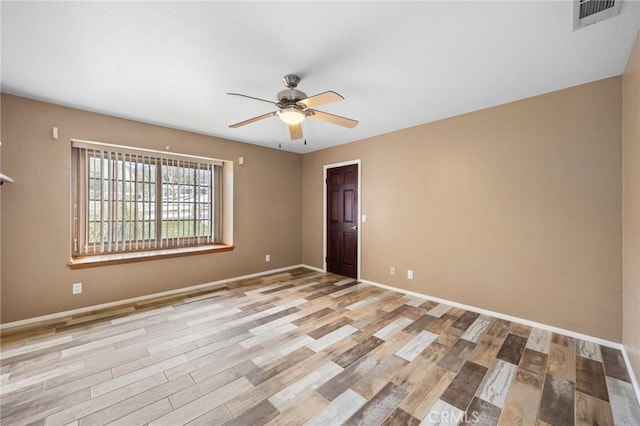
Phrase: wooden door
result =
(342, 220)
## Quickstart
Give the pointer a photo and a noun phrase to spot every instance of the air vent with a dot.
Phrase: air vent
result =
(587, 12)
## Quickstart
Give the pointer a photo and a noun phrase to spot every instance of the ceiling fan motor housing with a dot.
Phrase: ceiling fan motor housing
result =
(290, 96)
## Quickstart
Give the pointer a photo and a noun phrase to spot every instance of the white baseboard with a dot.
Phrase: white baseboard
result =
(313, 268)
(213, 284)
(627, 361)
(512, 318)
(499, 315)
(488, 312)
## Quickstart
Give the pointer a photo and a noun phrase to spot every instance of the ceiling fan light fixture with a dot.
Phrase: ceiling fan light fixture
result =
(291, 116)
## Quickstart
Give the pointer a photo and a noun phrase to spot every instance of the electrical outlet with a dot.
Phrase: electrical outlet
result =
(392, 270)
(267, 258)
(76, 288)
(410, 274)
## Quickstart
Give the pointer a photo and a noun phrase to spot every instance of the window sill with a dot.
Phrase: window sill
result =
(143, 256)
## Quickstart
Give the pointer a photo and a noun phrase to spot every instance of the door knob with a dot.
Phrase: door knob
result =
(354, 227)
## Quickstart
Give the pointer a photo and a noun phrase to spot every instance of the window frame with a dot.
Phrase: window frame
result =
(221, 198)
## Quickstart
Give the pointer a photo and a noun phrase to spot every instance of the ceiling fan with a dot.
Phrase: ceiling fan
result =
(294, 106)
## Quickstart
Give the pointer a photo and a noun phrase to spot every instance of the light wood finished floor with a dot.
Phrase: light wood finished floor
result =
(303, 347)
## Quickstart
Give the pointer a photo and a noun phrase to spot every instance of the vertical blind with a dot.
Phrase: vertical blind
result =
(128, 199)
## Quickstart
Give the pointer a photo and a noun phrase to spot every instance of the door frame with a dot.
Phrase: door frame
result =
(324, 212)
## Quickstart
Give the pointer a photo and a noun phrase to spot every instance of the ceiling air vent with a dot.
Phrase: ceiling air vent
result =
(587, 12)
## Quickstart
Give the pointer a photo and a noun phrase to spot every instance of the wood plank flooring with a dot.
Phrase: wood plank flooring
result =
(302, 347)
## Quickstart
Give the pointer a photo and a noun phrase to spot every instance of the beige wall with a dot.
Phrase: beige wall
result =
(36, 211)
(516, 208)
(631, 208)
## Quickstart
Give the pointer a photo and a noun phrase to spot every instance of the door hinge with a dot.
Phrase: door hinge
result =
(325, 260)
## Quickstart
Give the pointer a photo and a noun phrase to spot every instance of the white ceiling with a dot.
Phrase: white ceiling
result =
(398, 64)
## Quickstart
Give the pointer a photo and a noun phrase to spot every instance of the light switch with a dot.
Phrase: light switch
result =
(364, 218)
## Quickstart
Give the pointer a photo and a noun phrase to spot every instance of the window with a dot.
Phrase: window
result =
(131, 200)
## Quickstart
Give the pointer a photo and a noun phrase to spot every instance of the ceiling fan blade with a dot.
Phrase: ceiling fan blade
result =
(321, 99)
(295, 130)
(252, 97)
(253, 120)
(331, 118)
